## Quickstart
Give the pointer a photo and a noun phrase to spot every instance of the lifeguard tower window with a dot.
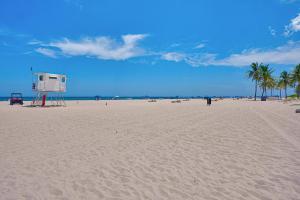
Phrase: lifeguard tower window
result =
(52, 77)
(41, 78)
(63, 79)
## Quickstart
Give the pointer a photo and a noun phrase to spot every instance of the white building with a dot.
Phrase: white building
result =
(46, 82)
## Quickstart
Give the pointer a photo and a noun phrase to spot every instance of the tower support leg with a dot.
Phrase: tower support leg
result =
(44, 100)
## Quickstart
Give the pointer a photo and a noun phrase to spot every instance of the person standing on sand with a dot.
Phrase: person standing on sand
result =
(208, 101)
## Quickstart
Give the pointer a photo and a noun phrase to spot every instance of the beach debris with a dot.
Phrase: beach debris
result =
(297, 110)
(152, 100)
(176, 101)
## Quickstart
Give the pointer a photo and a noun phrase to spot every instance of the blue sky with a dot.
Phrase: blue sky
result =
(156, 48)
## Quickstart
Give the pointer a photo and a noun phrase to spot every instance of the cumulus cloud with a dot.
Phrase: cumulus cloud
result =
(47, 52)
(293, 27)
(128, 47)
(104, 48)
(286, 54)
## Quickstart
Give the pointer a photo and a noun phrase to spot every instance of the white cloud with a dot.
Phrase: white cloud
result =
(287, 54)
(197, 60)
(173, 56)
(47, 52)
(104, 48)
(272, 31)
(35, 42)
(200, 46)
(293, 27)
(110, 49)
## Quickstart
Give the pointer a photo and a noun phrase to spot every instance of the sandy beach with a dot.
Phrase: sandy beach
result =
(234, 149)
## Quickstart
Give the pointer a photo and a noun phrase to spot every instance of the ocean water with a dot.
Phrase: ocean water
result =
(100, 98)
(127, 98)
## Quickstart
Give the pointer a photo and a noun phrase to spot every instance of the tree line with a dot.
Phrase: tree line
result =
(263, 77)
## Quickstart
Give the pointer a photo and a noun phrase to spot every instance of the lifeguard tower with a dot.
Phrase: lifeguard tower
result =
(45, 83)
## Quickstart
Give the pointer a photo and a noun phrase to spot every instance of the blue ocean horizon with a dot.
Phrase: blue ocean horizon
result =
(86, 98)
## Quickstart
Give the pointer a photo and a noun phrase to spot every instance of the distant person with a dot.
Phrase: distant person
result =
(208, 101)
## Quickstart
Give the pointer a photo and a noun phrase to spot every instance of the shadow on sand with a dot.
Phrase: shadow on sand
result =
(47, 106)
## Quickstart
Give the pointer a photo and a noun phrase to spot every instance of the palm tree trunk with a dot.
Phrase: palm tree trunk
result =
(255, 90)
(271, 92)
(285, 92)
(298, 90)
(280, 93)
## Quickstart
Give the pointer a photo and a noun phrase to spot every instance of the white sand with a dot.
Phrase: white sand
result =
(141, 150)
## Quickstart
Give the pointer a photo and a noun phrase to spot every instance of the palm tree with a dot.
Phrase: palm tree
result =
(280, 86)
(295, 79)
(285, 81)
(271, 84)
(265, 74)
(253, 73)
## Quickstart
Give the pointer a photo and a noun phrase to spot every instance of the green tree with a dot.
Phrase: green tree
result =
(265, 75)
(253, 73)
(280, 86)
(271, 84)
(285, 81)
(295, 79)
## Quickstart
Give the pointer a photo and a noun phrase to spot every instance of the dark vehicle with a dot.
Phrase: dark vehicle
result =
(16, 98)
(263, 98)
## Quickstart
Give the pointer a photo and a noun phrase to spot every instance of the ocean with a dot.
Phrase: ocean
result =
(69, 98)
